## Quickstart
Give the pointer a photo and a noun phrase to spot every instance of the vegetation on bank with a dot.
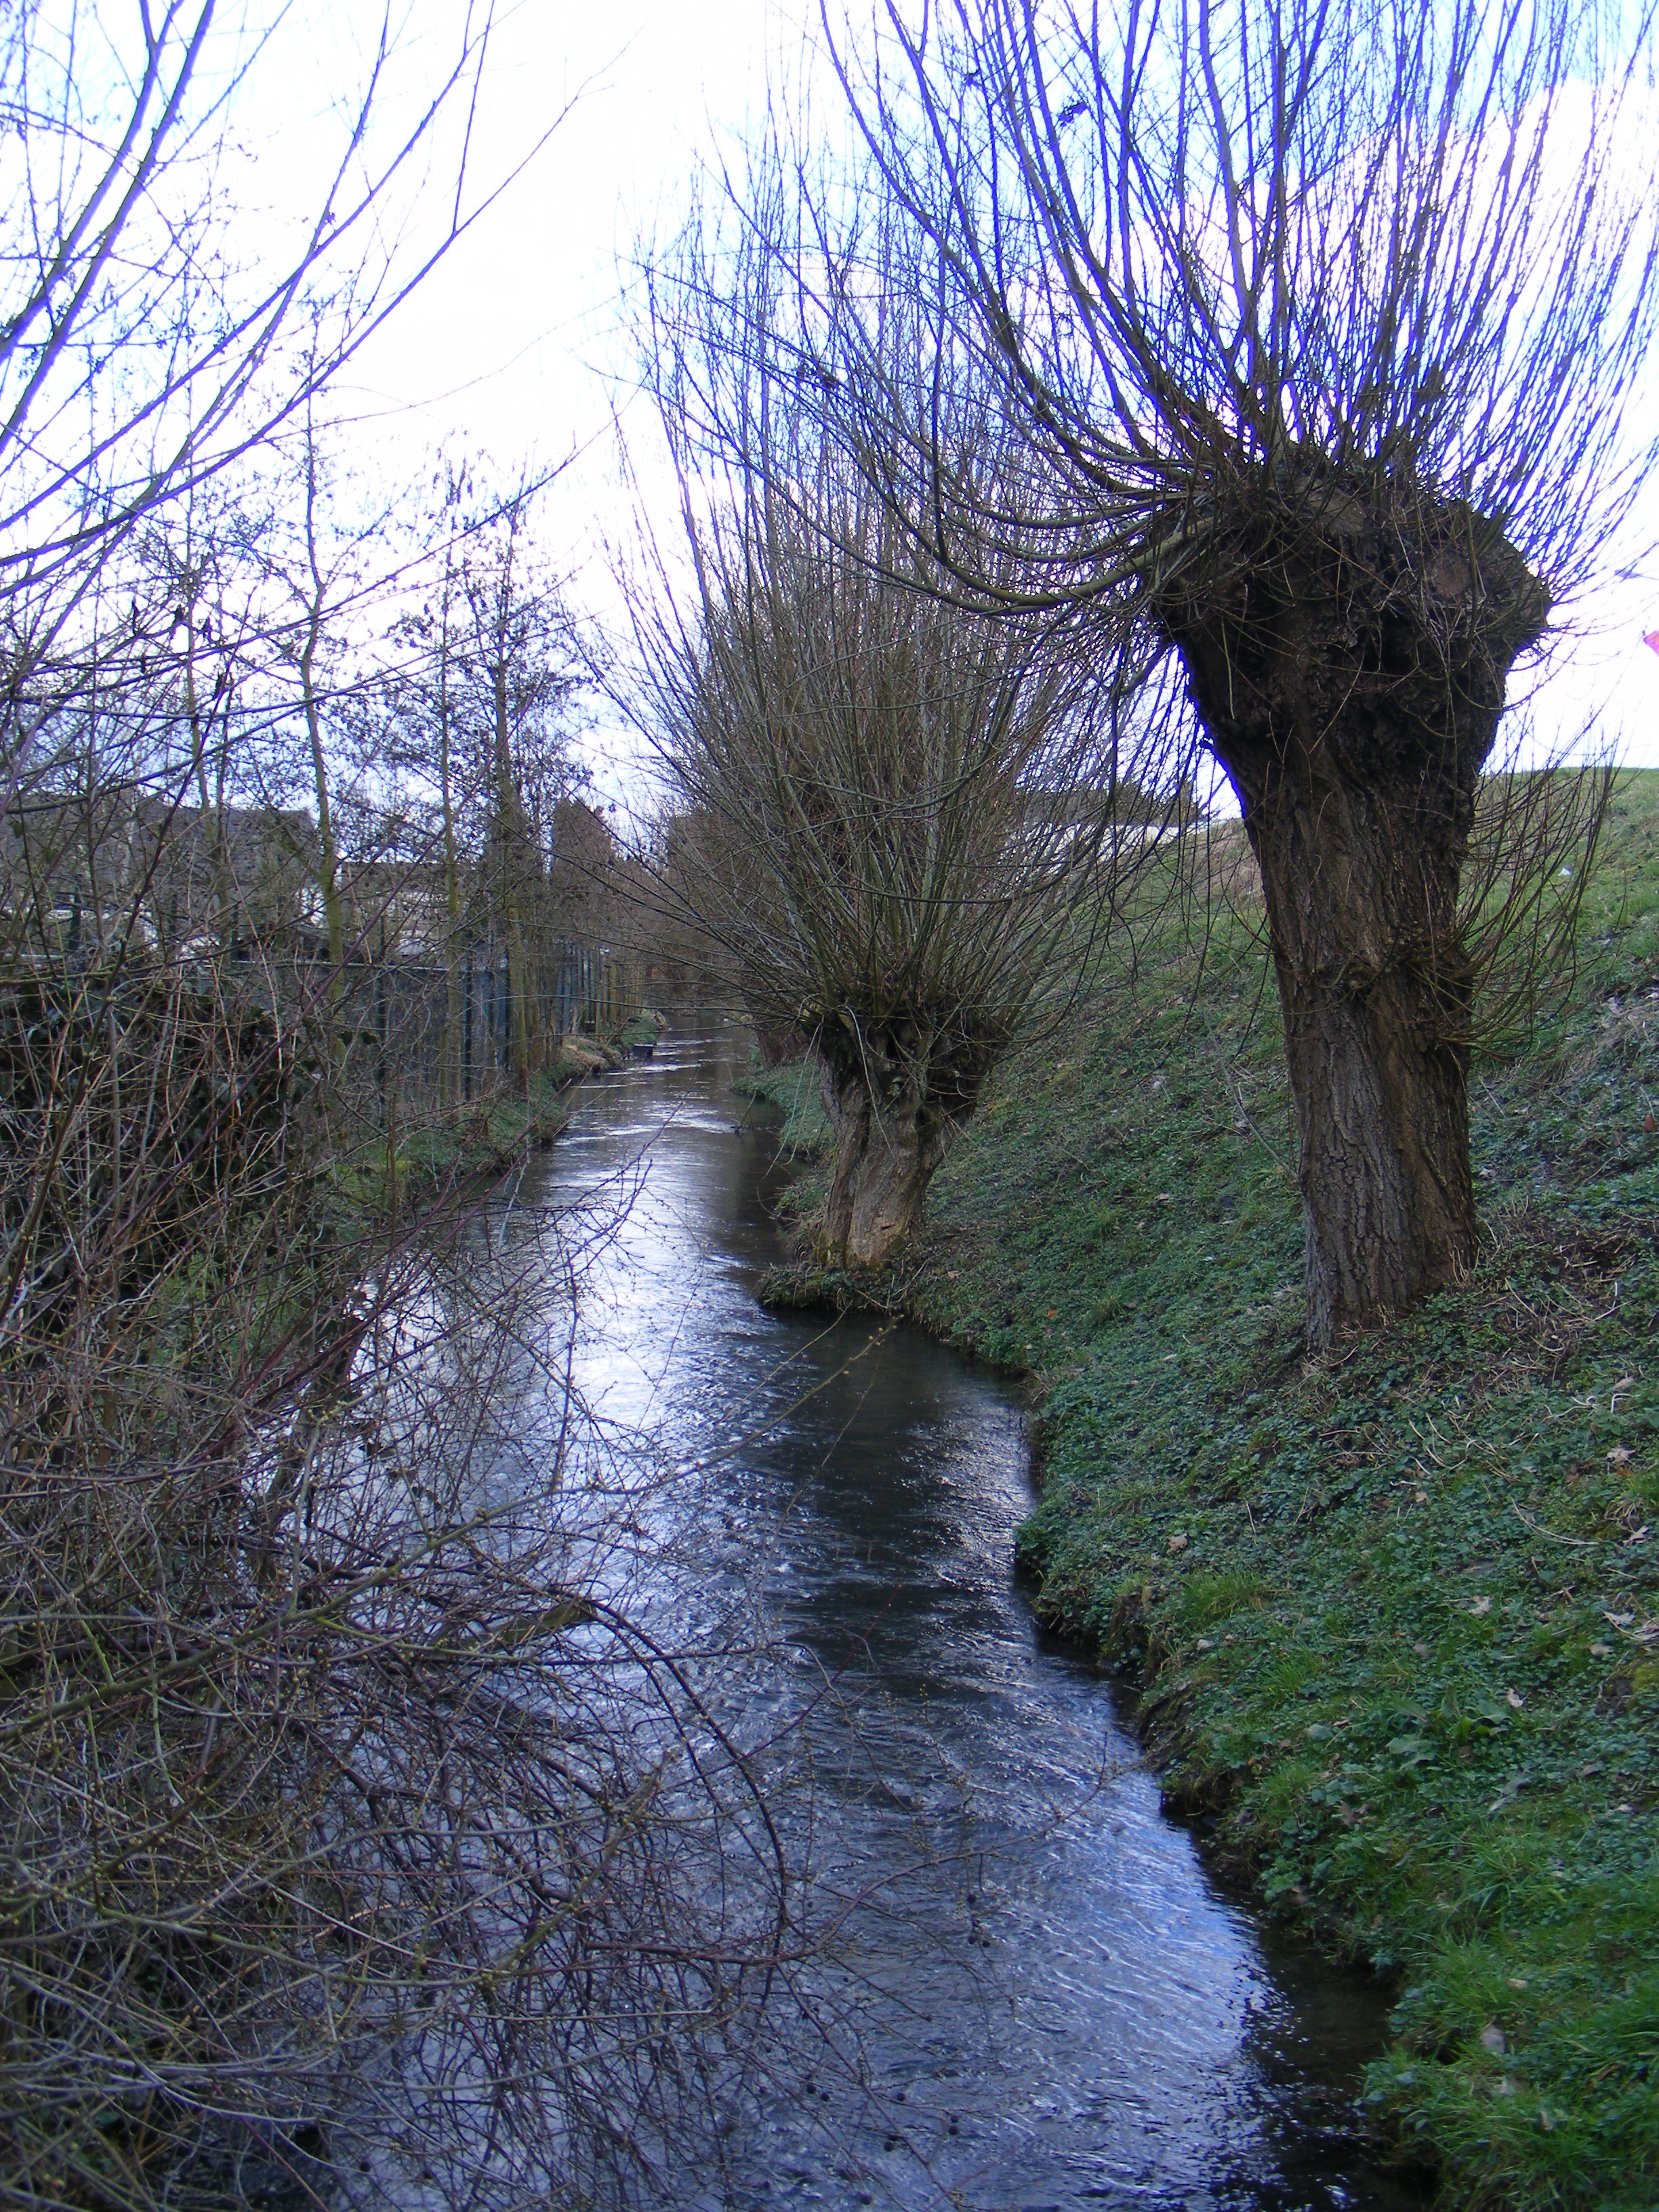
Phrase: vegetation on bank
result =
(795, 1091)
(643, 1031)
(1395, 1608)
(479, 1139)
(265, 1623)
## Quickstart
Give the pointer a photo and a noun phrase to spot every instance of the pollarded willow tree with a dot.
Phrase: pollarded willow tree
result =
(1319, 321)
(904, 823)
(894, 820)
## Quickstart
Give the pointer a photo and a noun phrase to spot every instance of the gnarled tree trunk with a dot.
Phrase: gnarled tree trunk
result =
(896, 1095)
(1349, 669)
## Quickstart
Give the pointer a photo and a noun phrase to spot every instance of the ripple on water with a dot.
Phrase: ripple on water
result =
(1040, 1999)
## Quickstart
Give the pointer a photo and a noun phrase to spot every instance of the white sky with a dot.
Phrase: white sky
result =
(515, 341)
(516, 345)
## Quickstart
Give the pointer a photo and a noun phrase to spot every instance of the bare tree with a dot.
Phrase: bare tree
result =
(437, 686)
(1319, 325)
(520, 672)
(274, 1912)
(349, 1831)
(310, 585)
(896, 824)
(136, 358)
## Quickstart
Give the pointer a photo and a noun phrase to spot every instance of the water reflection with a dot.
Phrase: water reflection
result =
(1055, 2006)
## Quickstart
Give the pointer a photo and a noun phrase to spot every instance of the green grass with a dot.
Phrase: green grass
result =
(1393, 1610)
(793, 1089)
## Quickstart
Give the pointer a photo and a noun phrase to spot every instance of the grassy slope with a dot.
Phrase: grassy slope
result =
(1395, 1608)
(793, 1090)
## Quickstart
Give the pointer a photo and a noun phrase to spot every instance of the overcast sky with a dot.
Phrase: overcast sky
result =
(516, 345)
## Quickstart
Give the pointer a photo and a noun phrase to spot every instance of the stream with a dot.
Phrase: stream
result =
(1052, 2002)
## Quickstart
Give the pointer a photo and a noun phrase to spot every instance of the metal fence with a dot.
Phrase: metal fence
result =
(413, 1035)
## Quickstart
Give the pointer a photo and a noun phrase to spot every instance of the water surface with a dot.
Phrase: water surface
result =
(1047, 2000)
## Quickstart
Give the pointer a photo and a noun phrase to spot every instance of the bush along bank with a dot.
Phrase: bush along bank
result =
(1394, 1612)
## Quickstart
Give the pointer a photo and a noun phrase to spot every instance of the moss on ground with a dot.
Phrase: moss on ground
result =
(1395, 1610)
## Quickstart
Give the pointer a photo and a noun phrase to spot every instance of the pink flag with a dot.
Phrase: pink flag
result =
(1652, 637)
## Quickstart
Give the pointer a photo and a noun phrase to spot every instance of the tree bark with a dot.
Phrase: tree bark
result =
(897, 1092)
(451, 1078)
(1348, 664)
(883, 1161)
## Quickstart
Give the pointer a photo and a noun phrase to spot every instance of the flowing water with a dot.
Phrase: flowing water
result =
(1055, 2004)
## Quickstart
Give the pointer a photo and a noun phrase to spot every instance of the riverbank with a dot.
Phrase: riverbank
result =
(1396, 1611)
(480, 1141)
(793, 1090)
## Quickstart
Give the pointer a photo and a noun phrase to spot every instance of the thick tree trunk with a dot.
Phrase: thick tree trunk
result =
(1376, 992)
(1349, 672)
(896, 1093)
(883, 1162)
